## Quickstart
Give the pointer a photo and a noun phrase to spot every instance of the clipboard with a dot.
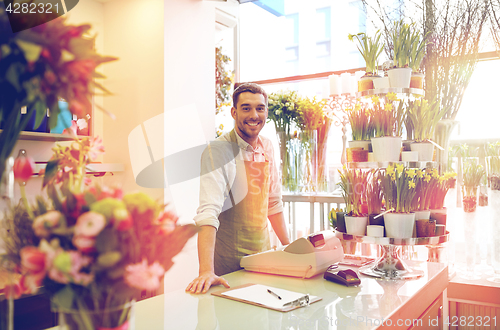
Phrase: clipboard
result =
(257, 295)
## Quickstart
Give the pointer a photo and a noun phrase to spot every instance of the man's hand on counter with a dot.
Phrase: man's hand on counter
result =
(202, 283)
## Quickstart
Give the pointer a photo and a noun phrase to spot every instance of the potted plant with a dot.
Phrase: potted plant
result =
(282, 111)
(361, 128)
(370, 48)
(473, 173)
(417, 52)
(493, 165)
(353, 183)
(422, 118)
(374, 200)
(398, 186)
(400, 74)
(388, 115)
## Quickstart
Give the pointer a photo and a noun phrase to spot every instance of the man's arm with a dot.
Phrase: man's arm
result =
(278, 222)
(207, 277)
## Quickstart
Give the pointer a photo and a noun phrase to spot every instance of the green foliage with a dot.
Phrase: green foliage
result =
(310, 113)
(283, 109)
(353, 183)
(361, 122)
(370, 48)
(422, 117)
(402, 43)
(398, 187)
(223, 80)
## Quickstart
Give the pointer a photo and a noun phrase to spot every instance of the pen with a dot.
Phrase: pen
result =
(274, 294)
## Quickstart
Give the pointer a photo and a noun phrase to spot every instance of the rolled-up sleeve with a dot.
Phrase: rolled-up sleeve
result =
(218, 170)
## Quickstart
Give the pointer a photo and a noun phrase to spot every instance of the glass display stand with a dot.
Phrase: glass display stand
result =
(390, 265)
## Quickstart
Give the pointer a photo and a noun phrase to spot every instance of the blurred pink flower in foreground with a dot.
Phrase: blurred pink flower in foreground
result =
(144, 277)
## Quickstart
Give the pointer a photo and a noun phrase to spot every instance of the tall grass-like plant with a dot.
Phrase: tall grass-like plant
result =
(388, 115)
(417, 49)
(361, 122)
(473, 173)
(398, 186)
(402, 43)
(422, 118)
(374, 195)
(438, 188)
(370, 48)
(353, 183)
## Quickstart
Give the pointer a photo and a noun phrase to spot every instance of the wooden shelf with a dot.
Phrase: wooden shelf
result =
(37, 136)
(96, 169)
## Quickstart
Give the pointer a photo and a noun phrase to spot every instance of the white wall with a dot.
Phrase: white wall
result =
(134, 34)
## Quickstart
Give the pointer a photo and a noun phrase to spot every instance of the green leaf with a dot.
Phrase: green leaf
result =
(50, 172)
(54, 113)
(64, 297)
(109, 259)
(106, 241)
(12, 75)
(31, 50)
(41, 113)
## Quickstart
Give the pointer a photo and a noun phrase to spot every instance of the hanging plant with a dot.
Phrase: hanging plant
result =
(223, 80)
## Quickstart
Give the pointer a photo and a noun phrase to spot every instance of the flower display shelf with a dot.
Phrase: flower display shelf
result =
(375, 165)
(390, 265)
(382, 91)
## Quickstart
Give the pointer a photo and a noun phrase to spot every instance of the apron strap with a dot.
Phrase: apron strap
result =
(223, 173)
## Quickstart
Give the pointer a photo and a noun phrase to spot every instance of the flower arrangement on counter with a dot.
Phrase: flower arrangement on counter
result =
(41, 65)
(90, 248)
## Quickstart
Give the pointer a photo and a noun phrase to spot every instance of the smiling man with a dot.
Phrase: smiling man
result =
(238, 198)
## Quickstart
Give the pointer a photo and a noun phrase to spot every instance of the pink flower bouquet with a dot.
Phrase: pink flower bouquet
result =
(94, 248)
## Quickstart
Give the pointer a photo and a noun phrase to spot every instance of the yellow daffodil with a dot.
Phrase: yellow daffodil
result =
(388, 107)
(390, 169)
(411, 173)
(375, 99)
(420, 174)
(427, 178)
(442, 179)
(411, 184)
(435, 173)
(400, 168)
(392, 97)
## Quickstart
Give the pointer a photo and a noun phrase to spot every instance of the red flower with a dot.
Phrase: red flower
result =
(24, 167)
(76, 108)
(84, 244)
(122, 219)
(32, 259)
(81, 69)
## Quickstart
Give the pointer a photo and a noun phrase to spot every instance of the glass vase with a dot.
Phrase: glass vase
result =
(322, 168)
(442, 134)
(469, 199)
(120, 317)
(308, 161)
(495, 235)
(289, 146)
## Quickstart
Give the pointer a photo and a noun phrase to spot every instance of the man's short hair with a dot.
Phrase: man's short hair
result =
(247, 87)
